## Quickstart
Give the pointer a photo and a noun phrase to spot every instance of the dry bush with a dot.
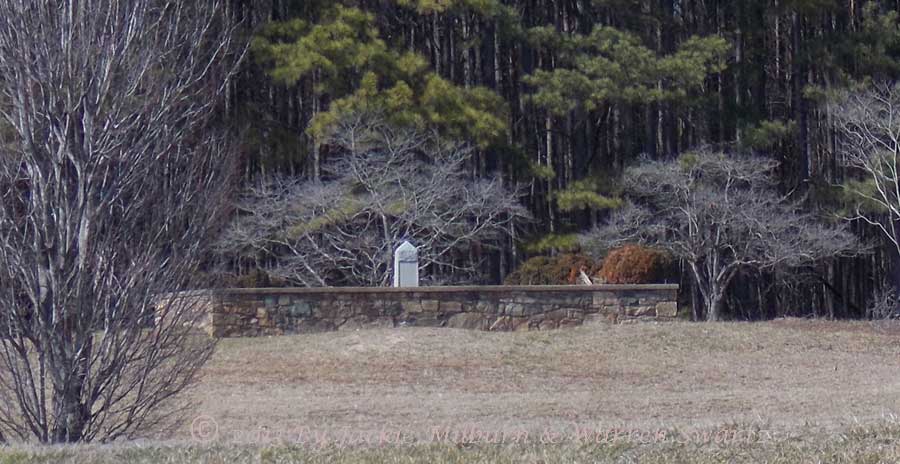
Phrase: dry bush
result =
(636, 264)
(884, 310)
(884, 305)
(256, 278)
(552, 270)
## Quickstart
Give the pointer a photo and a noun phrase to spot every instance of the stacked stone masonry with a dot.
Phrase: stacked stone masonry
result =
(277, 311)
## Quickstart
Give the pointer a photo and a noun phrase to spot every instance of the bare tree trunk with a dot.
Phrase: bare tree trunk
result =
(712, 294)
(714, 302)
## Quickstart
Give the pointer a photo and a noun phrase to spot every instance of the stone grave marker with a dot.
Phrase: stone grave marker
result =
(406, 266)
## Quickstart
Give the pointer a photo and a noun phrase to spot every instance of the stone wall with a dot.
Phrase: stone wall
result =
(276, 311)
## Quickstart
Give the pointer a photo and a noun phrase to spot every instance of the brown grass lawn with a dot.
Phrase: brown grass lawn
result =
(786, 391)
(777, 376)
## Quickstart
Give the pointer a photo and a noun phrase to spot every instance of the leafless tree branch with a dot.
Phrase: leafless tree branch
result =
(384, 185)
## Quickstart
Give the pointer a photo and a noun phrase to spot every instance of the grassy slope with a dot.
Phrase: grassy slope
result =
(782, 374)
(809, 391)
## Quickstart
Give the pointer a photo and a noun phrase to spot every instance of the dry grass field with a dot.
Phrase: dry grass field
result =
(781, 374)
(780, 391)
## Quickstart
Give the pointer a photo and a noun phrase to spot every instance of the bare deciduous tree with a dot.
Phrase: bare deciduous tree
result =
(383, 185)
(721, 215)
(110, 189)
(868, 125)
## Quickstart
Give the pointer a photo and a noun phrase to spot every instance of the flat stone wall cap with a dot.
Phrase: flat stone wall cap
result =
(449, 289)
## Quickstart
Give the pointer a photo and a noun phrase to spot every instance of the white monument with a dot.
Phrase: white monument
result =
(406, 266)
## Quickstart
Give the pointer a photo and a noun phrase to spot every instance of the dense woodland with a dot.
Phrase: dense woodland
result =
(557, 97)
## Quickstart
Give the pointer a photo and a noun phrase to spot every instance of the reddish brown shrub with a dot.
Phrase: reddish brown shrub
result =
(635, 264)
(552, 270)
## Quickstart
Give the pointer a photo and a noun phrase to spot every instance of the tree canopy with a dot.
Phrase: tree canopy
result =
(559, 98)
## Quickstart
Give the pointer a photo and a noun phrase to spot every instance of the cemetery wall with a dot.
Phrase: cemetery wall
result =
(276, 311)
